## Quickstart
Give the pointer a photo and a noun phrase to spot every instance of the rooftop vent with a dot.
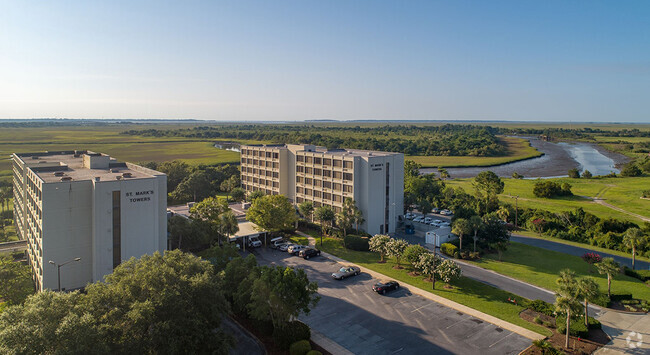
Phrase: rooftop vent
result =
(115, 171)
(42, 161)
(118, 177)
(127, 175)
(35, 157)
(97, 178)
(59, 173)
(66, 178)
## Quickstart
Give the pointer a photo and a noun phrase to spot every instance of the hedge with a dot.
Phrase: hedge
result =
(643, 275)
(577, 326)
(301, 347)
(449, 249)
(291, 333)
(542, 307)
(357, 243)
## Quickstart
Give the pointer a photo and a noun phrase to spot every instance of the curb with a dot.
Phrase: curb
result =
(446, 302)
(328, 344)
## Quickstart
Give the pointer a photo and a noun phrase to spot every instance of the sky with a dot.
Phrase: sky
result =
(302, 60)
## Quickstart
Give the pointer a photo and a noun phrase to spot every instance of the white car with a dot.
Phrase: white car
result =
(418, 219)
(444, 224)
(435, 222)
(446, 213)
(254, 242)
(285, 246)
(295, 248)
(409, 215)
(428, 220)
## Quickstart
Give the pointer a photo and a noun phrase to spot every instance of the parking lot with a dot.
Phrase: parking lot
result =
(363, 322)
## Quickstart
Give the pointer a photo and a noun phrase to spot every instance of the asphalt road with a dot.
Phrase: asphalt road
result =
(577, 251)
(363, 322)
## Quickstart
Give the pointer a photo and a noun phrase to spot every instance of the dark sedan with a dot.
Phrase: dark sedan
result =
(345, 272)
(382, 288)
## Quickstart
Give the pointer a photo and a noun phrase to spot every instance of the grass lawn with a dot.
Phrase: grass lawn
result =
(299, 239)
(474, 294)
(541, 267)
(620, 192)
(518, 148)
(581, 245)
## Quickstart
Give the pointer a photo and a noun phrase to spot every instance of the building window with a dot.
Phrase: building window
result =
(308, 192)
(308, 181)
(317, 183)
(300, 169)
(117, 229)
(275, 165)
(327, 173)
(327, 196)
(317, 160)
(337, 174)
(276, 175)
(299, 190)
(317, 194)
(308, 171)
(337, 163)
(308, 160)
(336, 186)
(327, 184)
(347, 188)
(347, 176)
(276, 184)
(255, 152)
(318, 172)
(300, 158)
(347, 164)
(299, 179)
(268, 154)
(327, 161)
(337, 198)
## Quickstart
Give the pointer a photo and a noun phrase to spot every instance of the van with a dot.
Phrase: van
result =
(254, 242)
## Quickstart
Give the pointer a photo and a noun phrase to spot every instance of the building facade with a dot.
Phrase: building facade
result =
(81, 204)
(374, 180)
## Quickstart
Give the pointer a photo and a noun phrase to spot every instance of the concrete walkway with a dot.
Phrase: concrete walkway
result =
(630, 333)
(446, 302)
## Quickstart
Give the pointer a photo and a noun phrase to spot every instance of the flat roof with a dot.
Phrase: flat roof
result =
(49, 165)
(325, 150)
(246, 229)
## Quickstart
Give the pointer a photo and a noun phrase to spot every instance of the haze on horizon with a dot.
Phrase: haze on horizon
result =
(345, 60)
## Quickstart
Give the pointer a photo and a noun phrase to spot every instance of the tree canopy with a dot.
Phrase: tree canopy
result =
(273, 213)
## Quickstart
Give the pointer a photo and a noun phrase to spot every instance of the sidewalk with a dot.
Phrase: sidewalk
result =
(451, 304)
(630, 333)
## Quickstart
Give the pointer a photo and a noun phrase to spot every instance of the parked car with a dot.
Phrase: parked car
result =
(428, 220)
(254, 242)
(418, 219)
(285, 246)
(446, 213)
(435, 222)
(346, 271)
(435, 210)
(409, 215)
(276, 242)
(307, 253)
(382, 288)
(444, 224)
(295, 248)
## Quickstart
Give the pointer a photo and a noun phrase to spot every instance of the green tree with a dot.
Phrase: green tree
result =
(237, 194)
(427, 266)
(413, 252)
(574, 173)
(228, 224)
(306, 208)
(488, 184)
(325, 215)
(567, 298)
(587, 174)
(228, 185)
(196, 187)
(477, 223)
(281, 294)
(395, 249)
(210, 210)
(411, 169)
(461, 227)
(610, 268)
(254, 195)
(179, 227)
(348, 215)
(236, 272)
(139, 306)
(176, 171)
(273, 213)
(379, 244)
(634, 239)
(588, 290)
(500, 246)
(448, 271)
(51, 323)
(15, 281)
(630, 170)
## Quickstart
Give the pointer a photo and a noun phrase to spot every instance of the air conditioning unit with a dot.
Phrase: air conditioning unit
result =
(66, 178)
(59, 173)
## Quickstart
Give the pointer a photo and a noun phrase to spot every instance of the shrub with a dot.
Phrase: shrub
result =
(631, 169)
(587, 174)
(314, 352)
(291, 333)
(642, 275)
(574, 173)
(578, 327)
(449, 250)
(548, 189)
(602, 300)
(357, 243)
(538, 320)
(621, 296)
(301, 347)
(594, 323)
(542, 307)
(591, 258)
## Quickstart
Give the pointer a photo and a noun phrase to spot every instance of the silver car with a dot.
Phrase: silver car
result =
(295, 249)
(284, 246)
(346, 271)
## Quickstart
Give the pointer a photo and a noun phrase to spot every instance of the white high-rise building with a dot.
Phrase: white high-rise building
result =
(374, 180)
(86, 205)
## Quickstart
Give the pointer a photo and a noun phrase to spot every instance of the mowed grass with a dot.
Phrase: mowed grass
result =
(518, 149)
(541, 267)
(624, 193)
(468, 292)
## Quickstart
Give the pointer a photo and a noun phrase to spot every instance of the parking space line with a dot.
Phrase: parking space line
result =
(419, 308)
(495, 343)
(462, 320)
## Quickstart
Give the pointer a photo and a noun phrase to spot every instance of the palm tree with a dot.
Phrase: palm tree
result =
(345, 217)
(228, 224)
(306, 208)
(567, 281)
(476, 222)
(610, 268)
(325, 215)
(358, 219)
(588, 290)
(503, 213)
(634, 239)
(460, 228)
(569, 305)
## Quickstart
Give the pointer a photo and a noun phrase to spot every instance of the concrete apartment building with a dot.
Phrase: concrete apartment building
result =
(375, 180)
(80, 204)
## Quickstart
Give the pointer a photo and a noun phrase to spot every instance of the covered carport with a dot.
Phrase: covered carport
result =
(246, 231)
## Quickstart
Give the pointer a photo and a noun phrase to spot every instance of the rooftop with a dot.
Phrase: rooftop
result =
(82, 165)
(325, 150)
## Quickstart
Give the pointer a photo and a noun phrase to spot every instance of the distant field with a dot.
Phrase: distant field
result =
(518, 149)
(107, 139)
(620, 192)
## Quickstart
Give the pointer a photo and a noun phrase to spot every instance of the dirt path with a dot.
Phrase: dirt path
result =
(600, 201)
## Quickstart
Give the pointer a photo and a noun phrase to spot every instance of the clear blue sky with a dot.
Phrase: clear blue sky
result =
(296, 60)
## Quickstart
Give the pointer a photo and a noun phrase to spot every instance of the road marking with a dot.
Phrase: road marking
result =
(419, 308)
(495, 343)
(398, 350)
(462, 320)
(444, 335)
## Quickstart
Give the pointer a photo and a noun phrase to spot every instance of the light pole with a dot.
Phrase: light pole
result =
(58, 269)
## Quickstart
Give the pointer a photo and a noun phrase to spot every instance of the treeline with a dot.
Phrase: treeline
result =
(572, 132)
(450, 140)
(187, 183)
